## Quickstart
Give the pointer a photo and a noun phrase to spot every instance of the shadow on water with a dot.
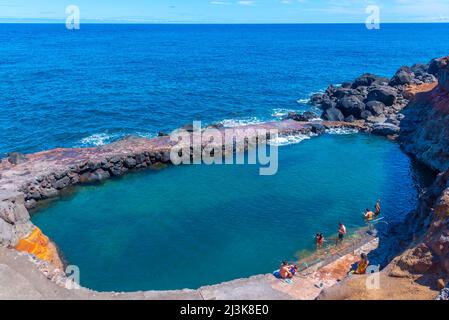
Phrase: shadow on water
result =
(395, 234)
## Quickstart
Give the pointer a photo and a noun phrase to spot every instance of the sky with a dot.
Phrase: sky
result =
(225, 11)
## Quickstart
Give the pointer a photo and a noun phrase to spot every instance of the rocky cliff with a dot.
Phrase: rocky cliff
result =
(424, 259)
(425, 135)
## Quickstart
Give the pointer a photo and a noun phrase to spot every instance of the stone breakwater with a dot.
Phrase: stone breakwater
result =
(25, 180)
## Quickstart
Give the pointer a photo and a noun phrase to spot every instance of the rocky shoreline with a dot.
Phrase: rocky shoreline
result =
(423, 241)
(411, 107)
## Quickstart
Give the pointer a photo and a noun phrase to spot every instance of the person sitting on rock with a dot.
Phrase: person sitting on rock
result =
(377, 213)
(284, 270)
(362, 265)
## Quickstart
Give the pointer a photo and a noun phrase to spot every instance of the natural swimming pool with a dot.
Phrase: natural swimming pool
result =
(184, 227)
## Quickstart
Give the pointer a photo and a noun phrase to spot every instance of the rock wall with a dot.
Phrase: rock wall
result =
(14, 218)
(425, 135)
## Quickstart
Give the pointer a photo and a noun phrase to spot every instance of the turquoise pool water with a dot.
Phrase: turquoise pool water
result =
(184, 227)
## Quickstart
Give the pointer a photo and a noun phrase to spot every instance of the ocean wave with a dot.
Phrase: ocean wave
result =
(95, 140)
(101, 139)
(303, 101)
(342, 131)
(290, 139)
(231, 123)
(279, 112)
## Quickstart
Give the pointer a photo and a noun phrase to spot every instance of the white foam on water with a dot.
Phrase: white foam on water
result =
(145, 135)
(231, 123)
(288, 140)
(303, 101)
(342, 131)
(279, 112)
(95, 140)
(101, 139)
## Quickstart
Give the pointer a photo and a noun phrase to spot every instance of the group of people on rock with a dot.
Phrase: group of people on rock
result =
(369, 215)
(287, 271)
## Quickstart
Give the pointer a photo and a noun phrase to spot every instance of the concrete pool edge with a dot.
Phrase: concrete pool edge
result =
(26, 277)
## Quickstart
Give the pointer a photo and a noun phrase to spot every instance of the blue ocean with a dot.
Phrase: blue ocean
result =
(61, 88)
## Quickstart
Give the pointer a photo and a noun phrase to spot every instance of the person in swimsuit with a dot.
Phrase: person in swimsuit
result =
(319, 240)
(362, 265)
(341, 232)
(369, 215)
(377, 213)
(284, 270)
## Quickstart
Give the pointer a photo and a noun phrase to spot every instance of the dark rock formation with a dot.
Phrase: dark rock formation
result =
(333, 114)
(384, 94)
(351, 106)
(375, 107)
(304, 117)
(385, 129)
(368, 79)
(376, 99)
(425, 135)
(318, 128)
(403, 76)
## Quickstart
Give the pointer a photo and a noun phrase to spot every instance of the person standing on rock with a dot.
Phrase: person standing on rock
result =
(377, 213)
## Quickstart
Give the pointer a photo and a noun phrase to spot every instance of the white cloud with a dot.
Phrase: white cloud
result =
(246, 2)
(220, 3)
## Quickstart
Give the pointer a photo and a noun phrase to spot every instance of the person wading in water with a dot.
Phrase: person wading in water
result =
(341, 232)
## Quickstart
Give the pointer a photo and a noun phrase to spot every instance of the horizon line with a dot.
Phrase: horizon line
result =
(213, 23)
